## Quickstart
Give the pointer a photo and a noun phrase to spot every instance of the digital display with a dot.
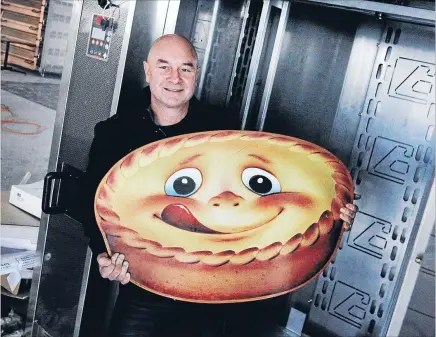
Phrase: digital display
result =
(97, 33)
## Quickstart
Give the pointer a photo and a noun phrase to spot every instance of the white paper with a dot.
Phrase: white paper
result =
(7, 267)
(25, 262)
(19, 261)
(18, 243)
(26, 274)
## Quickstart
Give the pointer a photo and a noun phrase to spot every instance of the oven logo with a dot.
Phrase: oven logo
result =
(370, 235)
(413, 81)
(349, 304)
(391, 160)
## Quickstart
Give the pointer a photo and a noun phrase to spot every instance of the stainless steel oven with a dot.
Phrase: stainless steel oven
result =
(356, 77)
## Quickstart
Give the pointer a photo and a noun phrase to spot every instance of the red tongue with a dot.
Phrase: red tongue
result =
(179, 216)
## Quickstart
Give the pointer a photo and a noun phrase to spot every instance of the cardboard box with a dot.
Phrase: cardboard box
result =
(28, 197)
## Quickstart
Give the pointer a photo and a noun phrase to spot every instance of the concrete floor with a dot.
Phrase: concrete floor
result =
(22, 153)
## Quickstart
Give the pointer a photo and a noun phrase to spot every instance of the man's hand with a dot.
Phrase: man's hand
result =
(115, 268)
(348, 213)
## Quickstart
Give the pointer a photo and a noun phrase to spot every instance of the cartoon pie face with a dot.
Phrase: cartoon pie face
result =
(226, 216)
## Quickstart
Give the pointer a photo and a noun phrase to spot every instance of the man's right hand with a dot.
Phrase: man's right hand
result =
(113, 268)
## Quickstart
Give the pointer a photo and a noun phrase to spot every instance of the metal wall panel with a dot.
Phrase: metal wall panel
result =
(225, 38)
(355, 85)
(186, 17)
(202, 27)
(202, 35)
(247, 40)
(392, 164)
(310, 72)
(254, 114)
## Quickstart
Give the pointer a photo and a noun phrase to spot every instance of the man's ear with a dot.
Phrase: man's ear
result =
(147, 71)
(197, 72)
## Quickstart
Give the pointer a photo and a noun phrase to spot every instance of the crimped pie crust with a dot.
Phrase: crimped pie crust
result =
(110, 224)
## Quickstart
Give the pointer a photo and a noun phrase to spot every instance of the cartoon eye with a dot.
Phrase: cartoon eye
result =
(260, 181)
(184, 182)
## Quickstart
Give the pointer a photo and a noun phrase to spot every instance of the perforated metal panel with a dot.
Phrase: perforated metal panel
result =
(246, 50)
(90, 94)
(222, 56)
(392, 164)
(59, 286)
(203, 21)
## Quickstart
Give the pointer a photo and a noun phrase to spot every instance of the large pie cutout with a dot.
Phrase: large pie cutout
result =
(224, 216)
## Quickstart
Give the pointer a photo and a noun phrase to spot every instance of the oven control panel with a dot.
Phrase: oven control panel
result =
(100, 36)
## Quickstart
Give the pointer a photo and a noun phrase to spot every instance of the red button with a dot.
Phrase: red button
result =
(98, 20)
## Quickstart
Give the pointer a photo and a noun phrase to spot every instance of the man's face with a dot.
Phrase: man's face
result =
(171, 72)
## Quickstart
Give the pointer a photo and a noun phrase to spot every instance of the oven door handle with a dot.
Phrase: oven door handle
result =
(50, 193)
(64, 192)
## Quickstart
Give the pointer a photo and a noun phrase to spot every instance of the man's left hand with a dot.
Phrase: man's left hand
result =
(348, 213)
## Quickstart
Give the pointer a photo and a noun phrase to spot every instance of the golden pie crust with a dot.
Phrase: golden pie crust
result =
(267, 246)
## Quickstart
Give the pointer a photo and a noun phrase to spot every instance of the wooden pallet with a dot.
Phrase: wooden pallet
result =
(23, 21)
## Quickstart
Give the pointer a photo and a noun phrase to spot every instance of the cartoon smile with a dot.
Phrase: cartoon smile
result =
(180, 216)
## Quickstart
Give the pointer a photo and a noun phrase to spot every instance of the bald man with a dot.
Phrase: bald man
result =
(171, 70)
(168, 109)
